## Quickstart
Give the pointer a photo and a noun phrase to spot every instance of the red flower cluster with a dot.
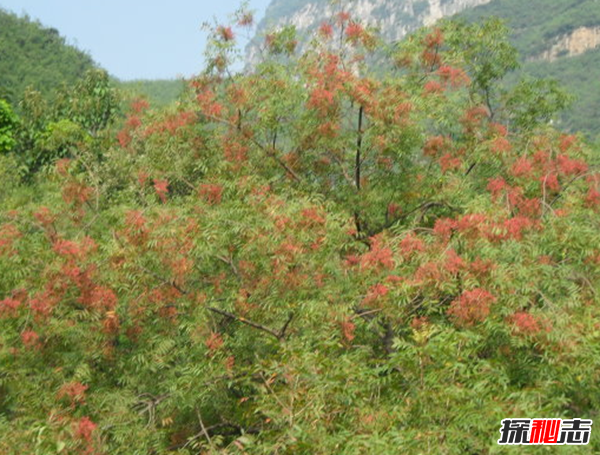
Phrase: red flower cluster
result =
(162, 189)
(211, 193)
(84, 429)
(471, 307)
(525, 323)
(379, 255)
(411, 244)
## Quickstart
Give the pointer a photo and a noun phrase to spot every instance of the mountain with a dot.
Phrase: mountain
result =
(559, 39)
(395, 19)
(34, 55)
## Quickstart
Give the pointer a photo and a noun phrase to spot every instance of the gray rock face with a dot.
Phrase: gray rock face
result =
(394, 18)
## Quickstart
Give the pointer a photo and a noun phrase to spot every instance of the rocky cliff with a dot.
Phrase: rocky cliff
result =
(394, 18)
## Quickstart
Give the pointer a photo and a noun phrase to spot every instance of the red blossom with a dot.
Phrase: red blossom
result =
(379, 255)
(343, 16)
(246, 20)
(431, 87)
(419, 322)
(44, 216)
(9, 233)
(354, 31)
(322, 100)
(411, 244)
(434, 146)
(139, 105)
(75, 192)
(348, 328)
(516, 225)
(498, 129)
(549, 182)
(211, 193)
(133, 122)
(225, 33)
(30, 338)
(449, 162)
(522, 167)
(525, 323)
(453, 76)
(496, 186)
(84, 429)
(326, 30)
(444, 226)
(568, 166)
(162, 189)
(235, 151)
(214, 342)
(500, 145)
(9, 307)
(208, 103)
(480, 267)
(454, 263)
(124, 137)
(434, 39)
(74, 391)
(471, 307)
(566, 142)
(376, 292)
(592, 198)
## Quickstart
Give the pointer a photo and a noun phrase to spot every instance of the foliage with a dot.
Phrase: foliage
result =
(159, 92)
(535, 26)
(33, 55)
(78, 117)
(307, 258)
(8, 122)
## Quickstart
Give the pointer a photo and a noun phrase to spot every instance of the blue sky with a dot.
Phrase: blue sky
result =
(131, 38)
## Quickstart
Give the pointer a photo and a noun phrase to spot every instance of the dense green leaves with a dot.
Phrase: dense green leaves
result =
(308, 258)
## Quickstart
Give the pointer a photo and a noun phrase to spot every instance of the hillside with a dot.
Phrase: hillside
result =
(159, 92)
(38, 56)
(561, 40)
(31, 54)
(556, 38)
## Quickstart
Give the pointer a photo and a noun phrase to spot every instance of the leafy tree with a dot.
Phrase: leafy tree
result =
(308, 258)
(8, 122)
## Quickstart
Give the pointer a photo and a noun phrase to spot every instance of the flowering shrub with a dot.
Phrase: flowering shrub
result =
(310, 257)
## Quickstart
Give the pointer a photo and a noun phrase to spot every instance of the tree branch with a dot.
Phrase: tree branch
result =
(279, 334)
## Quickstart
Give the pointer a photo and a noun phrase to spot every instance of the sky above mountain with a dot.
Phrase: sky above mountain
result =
(135, 39)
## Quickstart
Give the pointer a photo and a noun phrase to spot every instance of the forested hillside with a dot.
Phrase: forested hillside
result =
(561, 40)
(37, 56)
(158, 92)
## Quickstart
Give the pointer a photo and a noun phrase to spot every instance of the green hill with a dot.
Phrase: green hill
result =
(573, 29)
(32, 54)
(159, 92)
(38, 56)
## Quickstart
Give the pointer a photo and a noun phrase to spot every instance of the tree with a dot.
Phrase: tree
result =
(312, 257)
(8, 122)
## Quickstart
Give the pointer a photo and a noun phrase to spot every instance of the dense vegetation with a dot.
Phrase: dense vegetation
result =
(535, 24)
(160, 92)
(36, 56)
(310, 258)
